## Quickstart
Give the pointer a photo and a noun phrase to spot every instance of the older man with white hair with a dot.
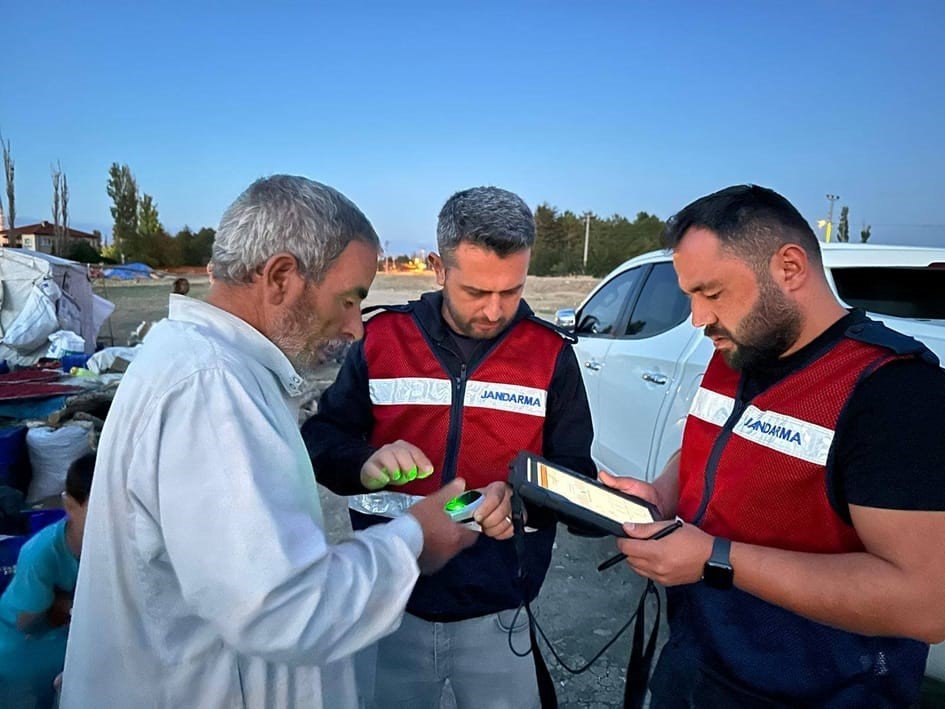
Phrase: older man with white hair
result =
(206, 579)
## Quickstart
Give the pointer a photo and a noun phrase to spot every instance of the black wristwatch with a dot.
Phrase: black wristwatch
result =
(717, 572)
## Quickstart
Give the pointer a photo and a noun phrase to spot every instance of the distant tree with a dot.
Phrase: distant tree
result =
(549, 240)
(865, 233)
(56, 208)
(843, 231)
(83, 252)
(64, 210)
(195, 248)
(60, 209)
(8, 171)
(110, 253)
(123, 190)
(149, 224)
(559, 241)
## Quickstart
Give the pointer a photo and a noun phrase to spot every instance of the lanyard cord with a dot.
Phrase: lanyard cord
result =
(650, 588)
(638, 668)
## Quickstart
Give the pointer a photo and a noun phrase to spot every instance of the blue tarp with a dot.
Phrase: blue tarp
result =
(128, 271)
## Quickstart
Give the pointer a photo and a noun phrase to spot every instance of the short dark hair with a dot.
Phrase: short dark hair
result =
(751, 221)
(489, 217)
(79, 478)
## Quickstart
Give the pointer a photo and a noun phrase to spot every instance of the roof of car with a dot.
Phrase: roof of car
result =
(837, 255)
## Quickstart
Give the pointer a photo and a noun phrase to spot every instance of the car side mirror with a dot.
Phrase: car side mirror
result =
(565, 318)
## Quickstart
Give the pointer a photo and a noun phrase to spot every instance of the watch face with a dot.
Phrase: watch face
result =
(717, 576)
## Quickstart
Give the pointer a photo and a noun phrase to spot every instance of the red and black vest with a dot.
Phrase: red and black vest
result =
(757, 472)
(471, 426)
(761, 478)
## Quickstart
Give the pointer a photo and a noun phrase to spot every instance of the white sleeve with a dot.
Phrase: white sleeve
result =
(240, 525)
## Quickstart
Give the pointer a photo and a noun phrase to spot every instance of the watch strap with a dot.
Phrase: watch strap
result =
(721, 549)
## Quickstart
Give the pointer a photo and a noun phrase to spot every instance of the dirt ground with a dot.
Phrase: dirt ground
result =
(578, 608)
(147, 299)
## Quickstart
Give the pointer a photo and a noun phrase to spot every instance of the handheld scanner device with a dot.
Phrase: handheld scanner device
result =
(460, 509)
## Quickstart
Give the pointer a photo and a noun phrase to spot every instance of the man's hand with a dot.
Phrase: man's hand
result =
(675, 559)
(494, 515)
(442, 537)
(396, 463)
(632, 486)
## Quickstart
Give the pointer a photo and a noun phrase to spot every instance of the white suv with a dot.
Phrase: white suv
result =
(643, 360)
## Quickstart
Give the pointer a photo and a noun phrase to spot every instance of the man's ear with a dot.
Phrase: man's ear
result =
(281, 279)
(439, 268)
(69, 504)
(790, 267)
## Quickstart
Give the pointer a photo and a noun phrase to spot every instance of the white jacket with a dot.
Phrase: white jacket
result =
(205, 578)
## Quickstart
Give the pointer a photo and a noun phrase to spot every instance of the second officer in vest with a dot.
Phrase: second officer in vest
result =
(456, 383)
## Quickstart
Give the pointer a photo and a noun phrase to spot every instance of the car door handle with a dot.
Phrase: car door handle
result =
(593, 365)
(654, 378)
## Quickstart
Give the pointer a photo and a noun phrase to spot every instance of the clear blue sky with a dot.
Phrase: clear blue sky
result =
(608, 106)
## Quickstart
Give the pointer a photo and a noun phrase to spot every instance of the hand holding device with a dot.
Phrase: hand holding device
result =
(664, 532)
(442, 537)
(460, 509)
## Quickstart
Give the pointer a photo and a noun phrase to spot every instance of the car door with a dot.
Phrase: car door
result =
(640, 373)
(596, 323)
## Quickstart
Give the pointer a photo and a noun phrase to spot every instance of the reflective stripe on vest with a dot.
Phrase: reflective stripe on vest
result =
(428, 391)
(785, 434)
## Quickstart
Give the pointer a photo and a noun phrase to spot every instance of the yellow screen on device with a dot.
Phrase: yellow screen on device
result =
(587, 495)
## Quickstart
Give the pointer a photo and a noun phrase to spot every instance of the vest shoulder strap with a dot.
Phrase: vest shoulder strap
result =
(369, 312)
(877, 334)
(564, 334)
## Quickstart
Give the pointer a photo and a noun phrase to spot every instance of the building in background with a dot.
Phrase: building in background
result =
(39, 237)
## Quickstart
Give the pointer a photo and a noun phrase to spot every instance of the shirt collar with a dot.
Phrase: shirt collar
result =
(238, 334)
(431, 315)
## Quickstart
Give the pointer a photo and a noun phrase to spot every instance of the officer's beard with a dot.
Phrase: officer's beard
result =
(768, 331)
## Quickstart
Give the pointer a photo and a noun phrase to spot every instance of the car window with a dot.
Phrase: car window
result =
(902, 292)
(601, 314)
(661, 305)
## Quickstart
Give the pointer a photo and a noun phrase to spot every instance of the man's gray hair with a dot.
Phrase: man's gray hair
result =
(285, 213)
(489, 217)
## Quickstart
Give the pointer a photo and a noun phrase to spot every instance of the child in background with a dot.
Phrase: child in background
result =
(36, 607)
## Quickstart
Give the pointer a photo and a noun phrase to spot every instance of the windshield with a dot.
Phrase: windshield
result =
(917, 293)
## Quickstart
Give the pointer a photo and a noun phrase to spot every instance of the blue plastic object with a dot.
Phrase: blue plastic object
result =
(14, 460)
(37, 520)
(9, 553)
(74, 360)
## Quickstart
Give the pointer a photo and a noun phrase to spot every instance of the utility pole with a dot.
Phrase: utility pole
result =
(587, 236)
(832, 198)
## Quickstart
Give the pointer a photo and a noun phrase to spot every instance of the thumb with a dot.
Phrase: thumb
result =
(452, 489)
(456, 487)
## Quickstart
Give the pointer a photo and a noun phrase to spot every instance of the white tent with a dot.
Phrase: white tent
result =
(43, 294)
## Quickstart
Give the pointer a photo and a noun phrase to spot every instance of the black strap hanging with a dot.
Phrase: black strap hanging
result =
(638, 666)
(641, 657)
